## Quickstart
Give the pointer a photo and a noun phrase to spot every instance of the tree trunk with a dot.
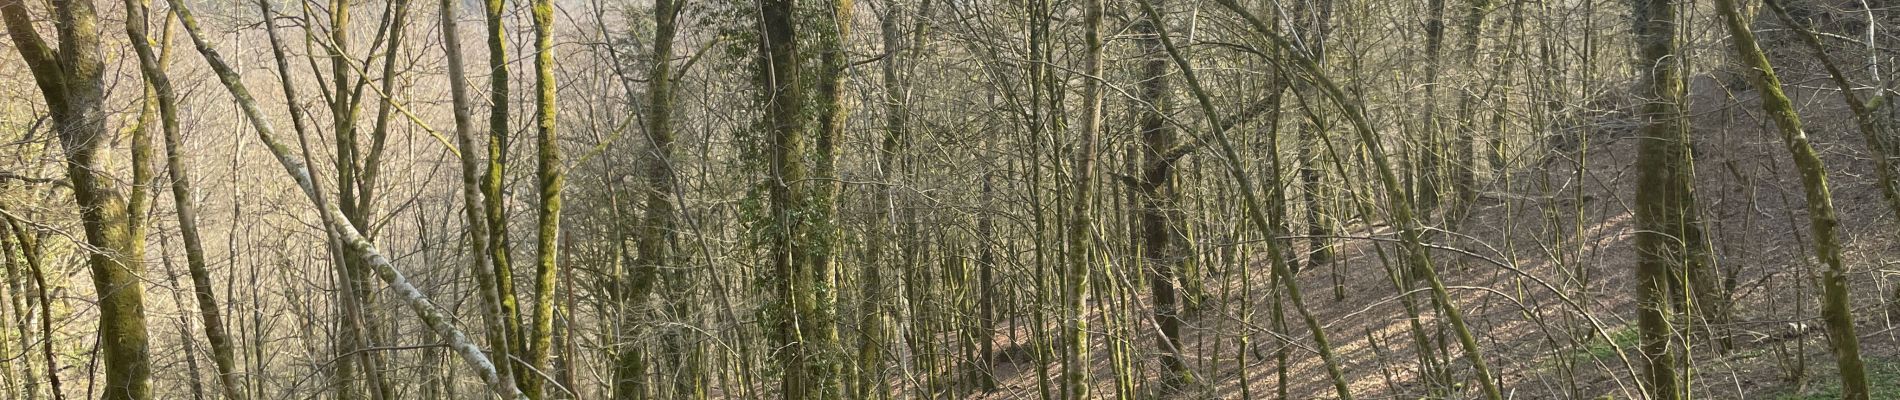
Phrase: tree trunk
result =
(472, 206)
(1253, 208)
(1411, 231)
(548, 220)
(494, 204)
(153, 65)
(1075, 284)
(1158, 212)
(72, 84)
(1664, 194)
(1835, 307)
(805, 332)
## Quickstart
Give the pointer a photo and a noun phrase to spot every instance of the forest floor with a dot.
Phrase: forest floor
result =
(1532, 232)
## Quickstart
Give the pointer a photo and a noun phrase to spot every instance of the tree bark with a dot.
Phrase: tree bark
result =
(1836, 310)
(1075, 284)
(805, 321)
(70, 79)
(550, 175)
(472, 206)
(1158, 212)
(1664, 194)
(153, 64)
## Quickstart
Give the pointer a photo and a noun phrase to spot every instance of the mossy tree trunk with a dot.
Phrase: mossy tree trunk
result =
(550, 177)
(1875, 129)
(493, 201)
(1075, 285)
(1836, 309)
(153, 66)
(799, 202)
(1668, 240)
(70, 78)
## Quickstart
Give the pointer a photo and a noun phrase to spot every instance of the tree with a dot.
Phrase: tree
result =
(152, 64)
(798, 190)
(70, 78)
(359, 247)
(1075, 285)
(549, 175)
(1160, 231)
(1835, 311)
(1667, 240)
(474, 213)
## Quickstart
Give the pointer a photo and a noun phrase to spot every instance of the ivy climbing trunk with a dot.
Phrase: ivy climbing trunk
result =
(805, 330)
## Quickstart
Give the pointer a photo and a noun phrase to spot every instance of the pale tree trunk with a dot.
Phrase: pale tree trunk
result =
(476, 216)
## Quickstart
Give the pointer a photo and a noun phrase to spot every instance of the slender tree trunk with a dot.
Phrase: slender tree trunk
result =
(1075, 284)
(1836, 309)
(153, 65)
(657, 235)
(1463, 168)
(30, 255)
(1253, 208)
(494, 204)
(1159, 213)
(548, 220)
(472, 206)
(1428, 175)
(1411, 231)
(893, 166)
(22, 305)
(1317, 26)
